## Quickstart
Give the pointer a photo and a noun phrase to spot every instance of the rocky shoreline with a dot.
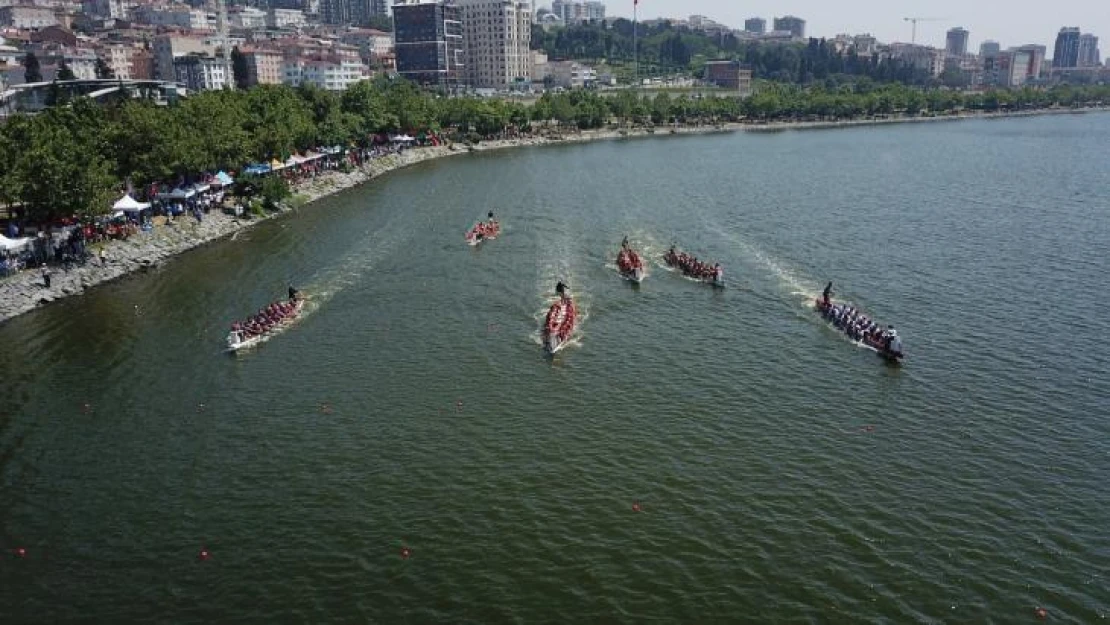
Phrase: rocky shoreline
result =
(25, 291)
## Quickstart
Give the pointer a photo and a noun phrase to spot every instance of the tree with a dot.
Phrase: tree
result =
(368, 107)
(32, 72)
(103, 71)
(65, 73)
(239, 68)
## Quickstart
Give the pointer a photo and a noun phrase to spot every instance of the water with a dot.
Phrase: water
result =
(781, 472)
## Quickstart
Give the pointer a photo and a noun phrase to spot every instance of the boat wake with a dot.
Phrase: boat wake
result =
(789, 279)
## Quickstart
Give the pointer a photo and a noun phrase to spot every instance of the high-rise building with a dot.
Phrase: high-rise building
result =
(1035, 60)
(1066, 53)
(956, 42)
(796, 26)
(756, 25)
(576, 11)
(595, 11)
(352, 11)
(989, 47)
(1088, 51)
(497, 35)
(428, 38)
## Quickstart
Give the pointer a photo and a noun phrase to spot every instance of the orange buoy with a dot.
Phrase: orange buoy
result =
(20, 552)
(204, 555)
(405, 553)
(1041, 613)
(636, 506)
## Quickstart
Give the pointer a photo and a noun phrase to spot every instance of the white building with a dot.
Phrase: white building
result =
(332, 74)
(571, 74)
(286, 18)
(865, 44)
(114, 9)
(497, 34)
(372, 44)
(119, 58)
(169, 47)
(201, 73)
(173, 17)
(27, 17)
(247, 18)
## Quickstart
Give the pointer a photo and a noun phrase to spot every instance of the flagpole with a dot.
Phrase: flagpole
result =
(635, 46)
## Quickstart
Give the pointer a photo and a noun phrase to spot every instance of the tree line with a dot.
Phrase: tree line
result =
(664, 47)
(77, 158)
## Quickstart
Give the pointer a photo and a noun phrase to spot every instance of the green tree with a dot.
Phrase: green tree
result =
(279, 123)
(103, 71)
(32, 72)
(65, 73)
(60, 170)
(239, 68)
(333, 125)
(368, 107)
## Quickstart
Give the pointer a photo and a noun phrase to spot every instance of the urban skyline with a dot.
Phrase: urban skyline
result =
(991, 20)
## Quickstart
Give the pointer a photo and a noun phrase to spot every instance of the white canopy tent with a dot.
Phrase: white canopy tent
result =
(13, 245)
(129, 204)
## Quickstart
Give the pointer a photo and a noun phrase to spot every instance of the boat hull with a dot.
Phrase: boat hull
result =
(635, 275)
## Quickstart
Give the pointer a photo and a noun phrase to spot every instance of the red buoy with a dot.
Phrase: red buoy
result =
(1041, 613)
(635, 506)
(405, 553)
(204, 555)
(20, 552)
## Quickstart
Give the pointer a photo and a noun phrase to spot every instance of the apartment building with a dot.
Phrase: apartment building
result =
(497, 34)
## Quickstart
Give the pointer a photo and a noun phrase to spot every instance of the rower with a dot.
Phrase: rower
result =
(293, 293)
(827, 292)
(894, 345)
(624, 243)
(561, 289)
(889, 336)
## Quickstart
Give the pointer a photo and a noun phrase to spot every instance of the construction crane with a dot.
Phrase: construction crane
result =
(915, 20)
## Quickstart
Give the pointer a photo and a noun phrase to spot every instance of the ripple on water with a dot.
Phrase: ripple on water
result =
(781, 473)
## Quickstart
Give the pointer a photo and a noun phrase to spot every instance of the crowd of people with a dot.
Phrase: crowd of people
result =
(691, 266)
(560, 319)
(858, 326)
(482, 230)
(627, 259)
(265, 320)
